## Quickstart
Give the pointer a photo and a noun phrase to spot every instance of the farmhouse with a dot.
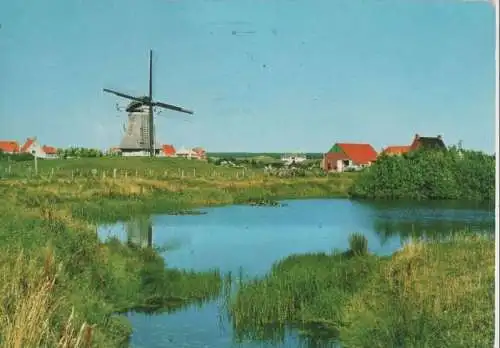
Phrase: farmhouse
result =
(33, 147)
(348, 156)
(9, 146)
(396, 150)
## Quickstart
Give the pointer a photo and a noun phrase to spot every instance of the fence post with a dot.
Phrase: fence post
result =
(114, 173)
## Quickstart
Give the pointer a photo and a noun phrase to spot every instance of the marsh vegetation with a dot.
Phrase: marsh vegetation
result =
(66, 286)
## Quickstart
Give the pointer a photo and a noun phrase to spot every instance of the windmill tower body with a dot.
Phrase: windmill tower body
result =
(136, 140)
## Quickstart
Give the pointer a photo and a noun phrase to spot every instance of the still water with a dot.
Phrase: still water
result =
(248, 240)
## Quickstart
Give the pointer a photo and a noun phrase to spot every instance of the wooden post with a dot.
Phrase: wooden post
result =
(182, 173)
(36, 164)
(114, 173)
(136, 173)
(10, 169)
(194, 172)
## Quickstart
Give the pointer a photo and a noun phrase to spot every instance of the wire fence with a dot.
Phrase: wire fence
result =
(15, 172)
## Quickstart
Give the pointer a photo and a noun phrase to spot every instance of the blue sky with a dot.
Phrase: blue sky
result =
(307, 73)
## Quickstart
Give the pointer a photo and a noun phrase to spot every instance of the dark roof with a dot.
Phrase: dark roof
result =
(428, 143)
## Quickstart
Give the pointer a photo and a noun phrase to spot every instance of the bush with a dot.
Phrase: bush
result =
(439, 175)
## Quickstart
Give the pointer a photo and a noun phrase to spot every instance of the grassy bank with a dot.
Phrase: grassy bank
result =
(426, 295)
(64, 285)
(55, 272)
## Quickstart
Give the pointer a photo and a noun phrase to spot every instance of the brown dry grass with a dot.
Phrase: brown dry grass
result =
(27, 314)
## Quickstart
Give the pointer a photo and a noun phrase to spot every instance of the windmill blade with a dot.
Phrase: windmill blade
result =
(173, 107)
(124, 95)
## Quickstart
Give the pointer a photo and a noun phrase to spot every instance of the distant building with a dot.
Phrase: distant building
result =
(435, 143)
(195, 153)
(33, 147)
(168, 151)
(347, 156)
(9, 146)
(396, 150)
(417, 143)
(200, 153)
(289, 159)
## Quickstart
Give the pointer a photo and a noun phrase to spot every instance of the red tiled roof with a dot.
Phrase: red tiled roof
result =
(168, 150)
(396, 150)
(9, 146)
(359, 153)
(200, 152)
(49, 150)
(27, 144)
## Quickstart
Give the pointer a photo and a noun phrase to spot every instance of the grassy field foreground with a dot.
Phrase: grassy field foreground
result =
(437, 294)
(60, 286)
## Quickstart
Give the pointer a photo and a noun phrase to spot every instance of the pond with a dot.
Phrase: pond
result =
(248, 240)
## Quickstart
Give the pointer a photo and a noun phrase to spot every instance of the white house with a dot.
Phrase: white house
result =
(33, 147)
(293, 158)
(186, 153)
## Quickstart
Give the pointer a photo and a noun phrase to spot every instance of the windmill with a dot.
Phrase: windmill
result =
(140, 130)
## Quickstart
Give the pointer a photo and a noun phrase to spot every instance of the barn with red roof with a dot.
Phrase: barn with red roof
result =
(349, 156)
(9, 146)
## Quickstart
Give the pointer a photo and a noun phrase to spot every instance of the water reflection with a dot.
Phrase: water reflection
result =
(140, 231)
(430, 221)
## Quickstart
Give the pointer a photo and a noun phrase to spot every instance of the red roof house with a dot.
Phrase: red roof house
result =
(168, 150)
(27, 145)
(49, 150)
(343, 155)
(396, 150)
(9, 146)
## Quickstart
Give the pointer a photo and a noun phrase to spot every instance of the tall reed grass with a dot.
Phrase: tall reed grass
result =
(29, 316)
(429, 294)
